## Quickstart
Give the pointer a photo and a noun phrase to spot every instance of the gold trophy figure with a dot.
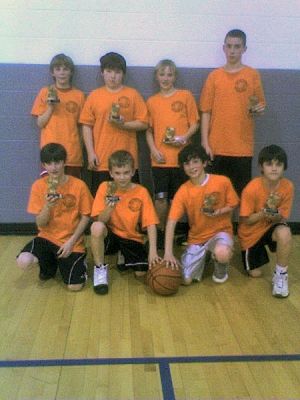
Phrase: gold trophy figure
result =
(110, 192)
(169, 136)
(272, 203)
(253, 101)
(52, 184)
(115, 112)
(52, 95)
(210, 200)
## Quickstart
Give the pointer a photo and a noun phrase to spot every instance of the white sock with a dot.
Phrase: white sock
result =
(281, 270)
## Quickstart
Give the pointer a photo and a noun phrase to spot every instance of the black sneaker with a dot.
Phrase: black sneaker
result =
(181, 240)
(45, 277)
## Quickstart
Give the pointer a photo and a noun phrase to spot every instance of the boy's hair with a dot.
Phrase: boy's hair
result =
(62, 59)
(113, 61)
(237, 33)
(272, 152)
(53, 152)
(162, 64)
(192, 151)
(120, 158)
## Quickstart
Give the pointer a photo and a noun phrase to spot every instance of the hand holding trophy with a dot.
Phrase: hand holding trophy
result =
(253, 102)
(272, 203)
(210, 200)
(170, 137)
(52, 95)
(110, 193)
(52, 184)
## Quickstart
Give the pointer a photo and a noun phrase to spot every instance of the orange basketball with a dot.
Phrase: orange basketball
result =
(163, 280)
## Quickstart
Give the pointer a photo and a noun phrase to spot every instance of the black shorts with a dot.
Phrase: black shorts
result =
(167, 180)
(238, 169)
(73, 269)
(135, 254)
(257, 255)
(102, 176)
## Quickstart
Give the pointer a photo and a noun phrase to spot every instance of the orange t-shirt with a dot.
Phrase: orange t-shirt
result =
(254, 198)
(65, 215)
(226, 96)
(62, 126)
(135, 209)
(189, 199)
(178, 111)
(107, 137)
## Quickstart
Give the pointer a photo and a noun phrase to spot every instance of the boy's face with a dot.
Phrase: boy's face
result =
(113, 78)
(272, 170)
(62, 75)
(166, 78)
(194, 168)
(122, 176)
(234, 49)
(55, 168)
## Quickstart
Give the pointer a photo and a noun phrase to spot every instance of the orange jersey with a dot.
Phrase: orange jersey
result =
(134, 210)
(226, 96)
(190, 199)
(254, 199)
(65, 215)
(107, 137)
(178, 111)
(62, 126)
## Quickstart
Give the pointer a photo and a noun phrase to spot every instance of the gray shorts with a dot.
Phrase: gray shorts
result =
(196, 256)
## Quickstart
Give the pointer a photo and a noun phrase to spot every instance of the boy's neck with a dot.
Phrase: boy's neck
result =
(200, 179)
(130, 185)
(168, 92)
(63, 86)
(115, 90)
(236, 67)
(271, 185)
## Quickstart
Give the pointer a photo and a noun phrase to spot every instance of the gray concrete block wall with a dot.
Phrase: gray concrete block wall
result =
(19, 136)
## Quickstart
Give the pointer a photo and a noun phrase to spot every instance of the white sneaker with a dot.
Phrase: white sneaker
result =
(101, 278)
(280, 285)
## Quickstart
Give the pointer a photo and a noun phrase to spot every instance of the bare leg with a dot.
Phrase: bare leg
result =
(98, 234)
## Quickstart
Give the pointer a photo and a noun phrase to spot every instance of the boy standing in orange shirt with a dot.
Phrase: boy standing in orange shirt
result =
(57, 108)
(231, 97)
(265, 206)
(173, 109)
(121, 209)
(62, 205)
(208, 200)
(111, 117)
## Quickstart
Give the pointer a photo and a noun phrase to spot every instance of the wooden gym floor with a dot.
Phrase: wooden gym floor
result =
(209, 341)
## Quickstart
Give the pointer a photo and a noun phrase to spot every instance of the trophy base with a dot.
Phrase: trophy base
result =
(55, 195)
(53, 101)
(171, 142)
(208, 211)
(271, 211)
(113, 199)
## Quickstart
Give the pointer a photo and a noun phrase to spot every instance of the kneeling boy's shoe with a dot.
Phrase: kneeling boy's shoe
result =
(101, 278)
(45, 277)
(220, 273)
(280, 284)
(121, 266)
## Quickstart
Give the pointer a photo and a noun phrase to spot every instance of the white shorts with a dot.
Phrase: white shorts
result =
(196, 256)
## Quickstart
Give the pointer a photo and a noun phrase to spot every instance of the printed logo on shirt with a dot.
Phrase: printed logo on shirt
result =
(177, 106)
(69, 200)
(71, 107)
(241, 85)
(135, 205)
(124, 102)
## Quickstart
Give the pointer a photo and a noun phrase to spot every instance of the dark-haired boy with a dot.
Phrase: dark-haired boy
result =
(208, 201)
(121, 208)
(265, 206)
(57, 108)
(231, 97)
(62, 205)
(111, 117)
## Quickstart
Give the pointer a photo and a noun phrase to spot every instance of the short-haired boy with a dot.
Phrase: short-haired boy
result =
(111, 118)
(231, 97)
(265, 206)
(121, 209)
(57, 108)
(170, 109)
(208, 201)
(62, 206)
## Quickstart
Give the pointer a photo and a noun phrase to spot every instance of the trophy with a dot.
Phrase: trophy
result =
(52, 95)
(115, 111)
(272, 203)
(52, 184)
(169, 136)
(210, 200)
(253, 101)
(110, 192)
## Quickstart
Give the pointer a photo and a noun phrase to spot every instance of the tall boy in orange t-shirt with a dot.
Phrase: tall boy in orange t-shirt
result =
(57, 108)
(121, 209)
(208, 201)
(111, 118)
(265, 206)
(62, 206)
(231, 97)
(176, 109)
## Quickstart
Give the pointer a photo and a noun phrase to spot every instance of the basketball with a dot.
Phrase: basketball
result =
(162, 280)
